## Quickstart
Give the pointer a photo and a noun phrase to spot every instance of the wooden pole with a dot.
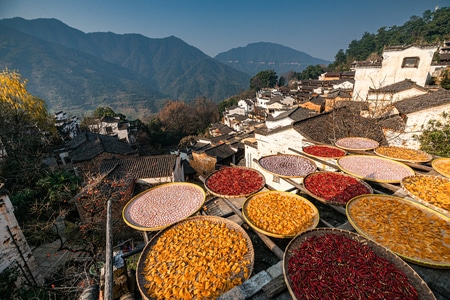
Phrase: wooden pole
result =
(109, 255)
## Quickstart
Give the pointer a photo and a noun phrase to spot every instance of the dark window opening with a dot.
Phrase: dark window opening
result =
(410, 62)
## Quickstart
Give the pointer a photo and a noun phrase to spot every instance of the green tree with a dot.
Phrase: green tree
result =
(445, 81)
(264, 79)
(435, 139)
(311, 72)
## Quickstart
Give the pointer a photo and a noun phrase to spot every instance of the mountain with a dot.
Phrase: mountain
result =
(133, 74)
(262, 56)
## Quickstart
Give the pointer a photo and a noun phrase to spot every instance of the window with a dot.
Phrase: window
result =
(410, 62)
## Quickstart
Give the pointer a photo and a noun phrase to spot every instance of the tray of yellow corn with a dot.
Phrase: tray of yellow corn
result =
(431, 191)
(413, 231)
(442, 166)
(280, 214)
(200, 257)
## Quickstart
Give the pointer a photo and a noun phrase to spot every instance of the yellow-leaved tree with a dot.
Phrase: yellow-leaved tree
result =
(26, 130)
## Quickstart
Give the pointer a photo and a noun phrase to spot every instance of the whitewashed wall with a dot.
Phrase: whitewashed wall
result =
(416, 122)
(391, 70)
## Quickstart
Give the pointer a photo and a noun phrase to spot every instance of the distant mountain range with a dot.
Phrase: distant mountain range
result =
(262, 56)
(135, 75)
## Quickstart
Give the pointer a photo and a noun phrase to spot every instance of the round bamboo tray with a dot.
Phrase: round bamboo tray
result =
(234, 180)
(414, 279)
(334, 187)
(342, 151)
(404, 154)
(163, 205)
(282, 210)
(374, 168)
(354, 143)
(435, 195)
(442, 166)
(197, 220)
(287, 165)
(413, 231)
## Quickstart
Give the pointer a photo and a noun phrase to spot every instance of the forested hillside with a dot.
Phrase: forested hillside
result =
(432, 27)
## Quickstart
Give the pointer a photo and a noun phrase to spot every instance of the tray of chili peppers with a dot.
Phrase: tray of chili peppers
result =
(403, 154)
(442, 166)
(287, 165)
(279, 214)
(163, 205)
(331, 263)
(200, 257)
(429, 190)
(324, 151)
(335, 188)
(235, 182)
(411, 230)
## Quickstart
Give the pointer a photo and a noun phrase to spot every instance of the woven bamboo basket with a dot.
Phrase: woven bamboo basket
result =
(374, 167)
(255, 174)
(371, 144)
(438, 165)
(279, 210)
(140, 273)
(163, 205)
(422, 156)
(287, 165)
(414, 279)
(329, 202)
(382, 229)
(427, 202)
(325, 157)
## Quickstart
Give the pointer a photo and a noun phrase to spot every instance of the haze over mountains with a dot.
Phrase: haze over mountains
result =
(133, 74)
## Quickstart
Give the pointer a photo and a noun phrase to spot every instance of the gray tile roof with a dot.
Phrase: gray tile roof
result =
(143, 166)
(398, 87)
(220, 152)
(339, 123)
(418, 103)
(88, 145)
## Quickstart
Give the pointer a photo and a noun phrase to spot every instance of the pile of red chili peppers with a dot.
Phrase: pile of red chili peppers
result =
(333, 266)
(323, 151)
(334, 187)
(235, 181)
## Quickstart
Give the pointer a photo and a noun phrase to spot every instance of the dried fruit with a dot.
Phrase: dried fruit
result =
(403, 154)
(280, 213)
(197, 259)
(324, 151)
(442, 166)
(235, 182)
(409, 229)
(434, 190)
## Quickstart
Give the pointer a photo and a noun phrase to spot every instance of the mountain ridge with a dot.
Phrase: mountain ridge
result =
(76, 71)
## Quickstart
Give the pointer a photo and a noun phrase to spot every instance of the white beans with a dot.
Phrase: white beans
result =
(356, 143)
(164, 205)
(374, 168)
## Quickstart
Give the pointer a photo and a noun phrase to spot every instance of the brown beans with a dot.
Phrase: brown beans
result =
(286, 165)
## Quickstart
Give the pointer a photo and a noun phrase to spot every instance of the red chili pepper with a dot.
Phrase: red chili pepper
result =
(333, 266)
(323, 151)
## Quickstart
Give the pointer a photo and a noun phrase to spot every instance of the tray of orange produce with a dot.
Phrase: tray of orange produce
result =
(429, 190)
(403, 154)
(413, 231)
(442, 166)
(280, 214)
(200, 257)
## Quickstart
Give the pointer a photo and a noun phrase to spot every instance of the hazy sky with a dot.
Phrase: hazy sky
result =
(319, 28)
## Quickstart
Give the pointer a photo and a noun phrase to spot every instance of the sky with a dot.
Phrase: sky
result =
(318, 28)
